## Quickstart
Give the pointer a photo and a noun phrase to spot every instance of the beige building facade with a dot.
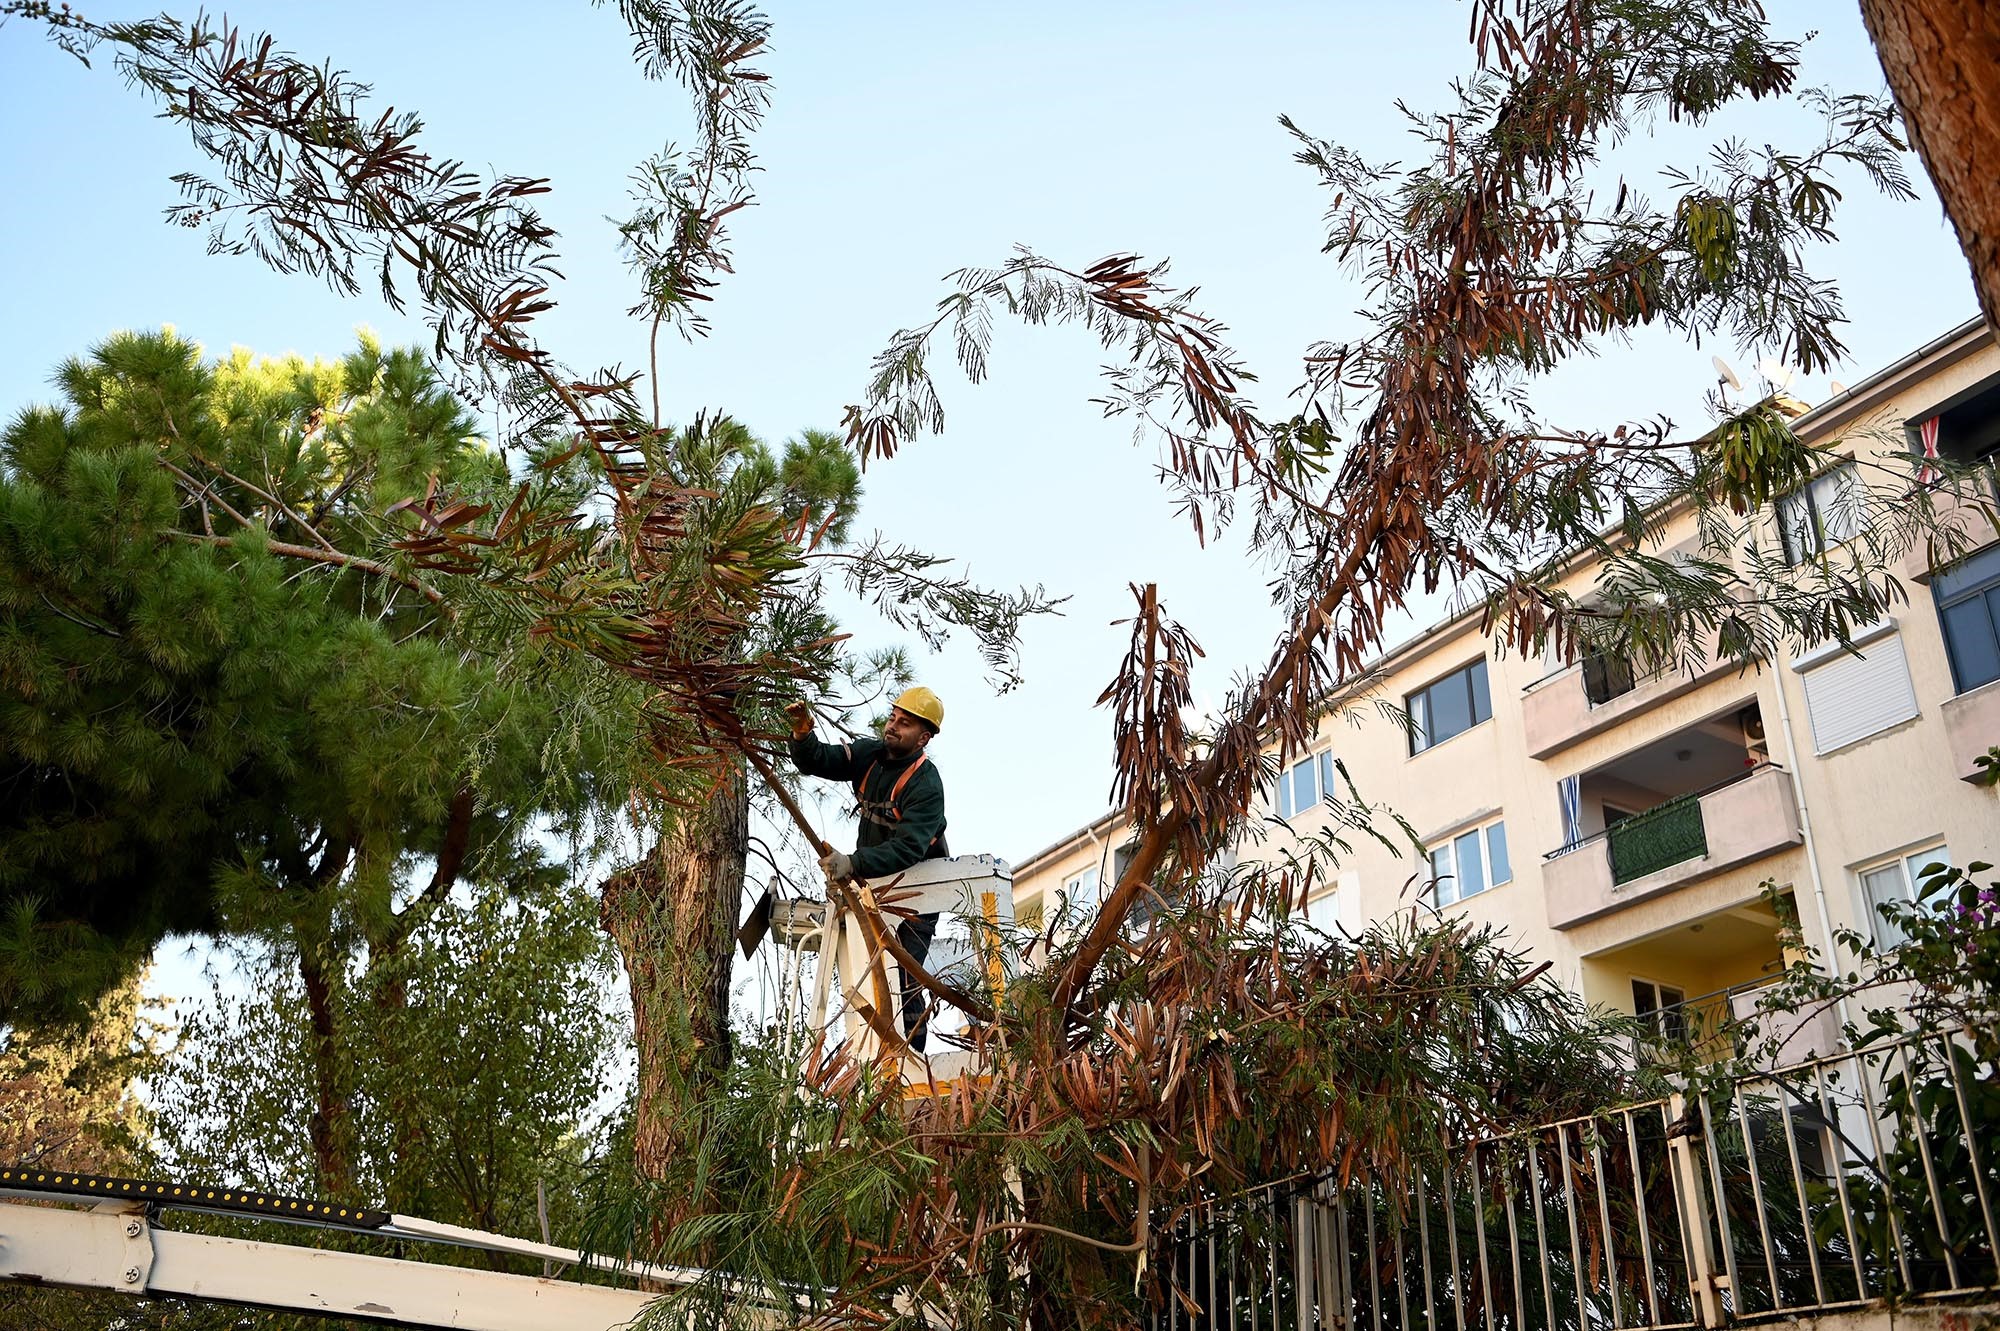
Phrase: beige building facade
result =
(1623, 827)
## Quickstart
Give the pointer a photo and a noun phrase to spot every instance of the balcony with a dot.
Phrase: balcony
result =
(1598, 693)
(1742, 1022)
(1683, 840)
(1968, 435)
(1971, 729)
(1961, 506)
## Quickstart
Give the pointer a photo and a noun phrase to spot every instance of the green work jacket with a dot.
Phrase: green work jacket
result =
(901, 803)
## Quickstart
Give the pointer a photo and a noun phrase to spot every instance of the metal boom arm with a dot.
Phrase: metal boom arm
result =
(115, 1245)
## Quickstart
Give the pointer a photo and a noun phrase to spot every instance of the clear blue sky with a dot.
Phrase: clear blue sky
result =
(908, 139)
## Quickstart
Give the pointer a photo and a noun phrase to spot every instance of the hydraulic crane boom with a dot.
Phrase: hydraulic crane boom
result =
(117, 1245)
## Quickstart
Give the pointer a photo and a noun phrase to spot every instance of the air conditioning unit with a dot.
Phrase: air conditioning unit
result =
(1751, 722)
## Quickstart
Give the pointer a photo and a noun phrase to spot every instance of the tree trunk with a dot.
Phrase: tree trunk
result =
(673, 916)
(388, 975)
(1942, 58)
(329, 1129)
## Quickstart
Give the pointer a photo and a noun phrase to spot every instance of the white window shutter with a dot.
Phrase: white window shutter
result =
(1852, 697)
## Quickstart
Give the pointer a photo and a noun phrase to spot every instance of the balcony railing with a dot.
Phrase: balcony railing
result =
(1663, 835)
(1971, 725)
(1695, 836)
(1841, 1183)
(1608, 677)
(1734, 1022)
(1596, 693)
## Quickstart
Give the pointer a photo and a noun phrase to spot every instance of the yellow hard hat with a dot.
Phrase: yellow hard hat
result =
(921, 702)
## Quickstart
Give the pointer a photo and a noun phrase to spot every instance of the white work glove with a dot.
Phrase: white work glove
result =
(838, 865)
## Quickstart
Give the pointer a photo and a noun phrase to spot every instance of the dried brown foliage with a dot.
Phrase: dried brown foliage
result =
(1417, 462)
(1197, 1052)
(1222, 1052)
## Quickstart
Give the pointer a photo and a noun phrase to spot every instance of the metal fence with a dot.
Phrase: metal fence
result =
(1831, 1184)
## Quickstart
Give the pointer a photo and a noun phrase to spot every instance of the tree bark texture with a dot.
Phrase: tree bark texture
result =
(330, 1128)
(1942, 58)
(673, 916)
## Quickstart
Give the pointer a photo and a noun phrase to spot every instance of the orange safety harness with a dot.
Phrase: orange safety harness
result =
(884, 812)
(888, 806)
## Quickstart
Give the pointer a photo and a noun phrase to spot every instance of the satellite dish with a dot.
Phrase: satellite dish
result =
(1728, 375)
(1837, 386)
(1778, 373)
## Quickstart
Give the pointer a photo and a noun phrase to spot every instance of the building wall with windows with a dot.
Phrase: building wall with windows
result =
(1886, 739)
(1623, 825)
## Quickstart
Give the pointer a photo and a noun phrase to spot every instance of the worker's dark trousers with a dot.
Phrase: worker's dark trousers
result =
(916, 935)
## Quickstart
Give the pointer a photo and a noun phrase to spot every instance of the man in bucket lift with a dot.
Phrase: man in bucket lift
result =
(901, 799)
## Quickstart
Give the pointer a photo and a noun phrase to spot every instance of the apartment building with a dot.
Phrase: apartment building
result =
(1622, 826)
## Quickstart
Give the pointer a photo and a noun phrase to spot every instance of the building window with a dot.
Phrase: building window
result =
(1968, 604)
(1824, 511)
(1661, 1008)
(1336, 908)
(1454, 704)
(1304, 786)
(1898, 880)
(1470, 863)
(1079, 891)
(1852, 694)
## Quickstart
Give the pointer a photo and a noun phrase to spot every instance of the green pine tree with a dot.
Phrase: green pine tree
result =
(215, 720)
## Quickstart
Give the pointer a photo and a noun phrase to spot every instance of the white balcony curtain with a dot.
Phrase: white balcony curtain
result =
(1569, 792)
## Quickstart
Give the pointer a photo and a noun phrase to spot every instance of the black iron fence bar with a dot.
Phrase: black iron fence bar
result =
(1576, 1258)
(1874, 1117)
(1277, 1313)
(1344, 1283)
(1424, 1252)
(1541, 1233)
(1639, 1210)
(1505, 1172)
(1452, 1290)
(1799, 1186)
(1212, 1286)
(1479, 1218)
(1232, 1283)
(1305, 1261)
(1402, 1269)
(1374, 1265)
